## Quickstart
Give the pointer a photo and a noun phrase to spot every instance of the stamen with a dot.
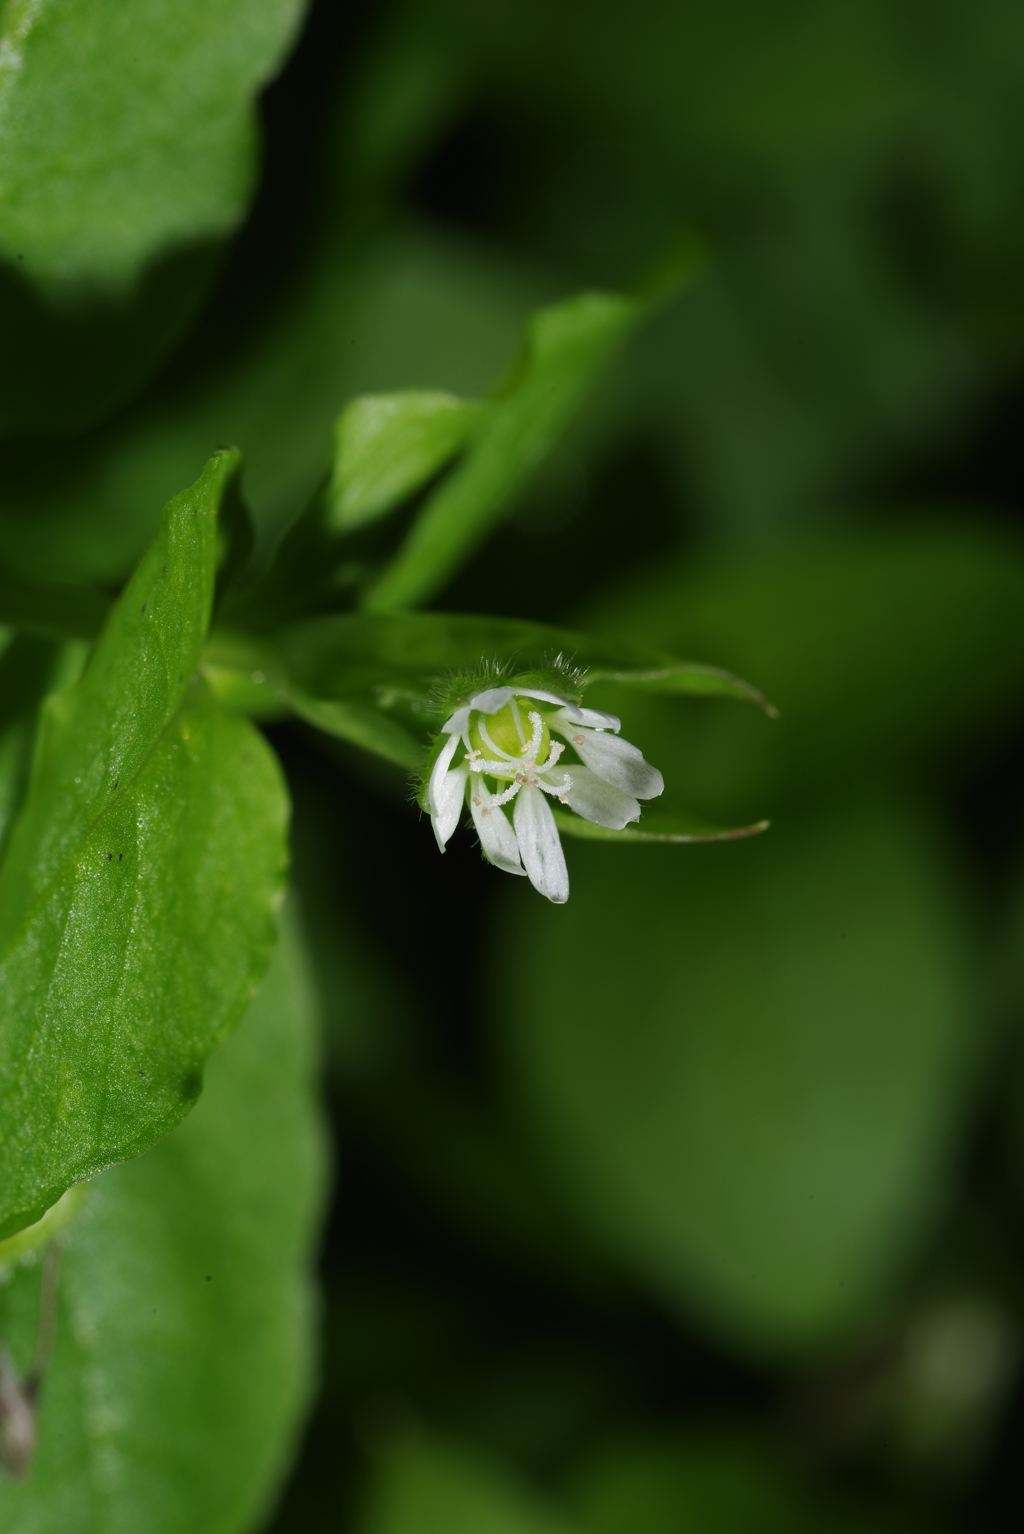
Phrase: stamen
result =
(558, 789)
(533, 747)
(498, 769)
(578, 740)
(510, 793)
(555, 751)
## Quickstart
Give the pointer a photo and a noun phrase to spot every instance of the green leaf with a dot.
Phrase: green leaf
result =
(183, 1346)
(128, 132)
(657, 827)
(388, 445)
(360, 724)
(748, 1080)
(715, 1481)
(685, 678)
(139, 884)
(419, 305)
(566, 346)
(387, 664)
(426, 1486)
(884, 649)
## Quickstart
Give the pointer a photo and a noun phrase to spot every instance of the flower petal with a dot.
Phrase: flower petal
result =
(445, 790)
(539, 845)
(599, 801)
(490, 701)
(618, 763)
(591, 717)
(494, 828)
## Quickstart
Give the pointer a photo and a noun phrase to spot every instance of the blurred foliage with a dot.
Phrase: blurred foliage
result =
(697, 1203)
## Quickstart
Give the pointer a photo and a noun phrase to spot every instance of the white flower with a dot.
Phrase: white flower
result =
(500, 752)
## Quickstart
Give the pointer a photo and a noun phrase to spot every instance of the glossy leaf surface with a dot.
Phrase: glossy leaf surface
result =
(139, 883)
(183, 1341)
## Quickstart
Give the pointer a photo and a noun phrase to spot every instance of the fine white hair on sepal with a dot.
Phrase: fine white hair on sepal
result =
(539, 845)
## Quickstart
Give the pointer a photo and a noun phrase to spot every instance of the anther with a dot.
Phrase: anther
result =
(578, 740)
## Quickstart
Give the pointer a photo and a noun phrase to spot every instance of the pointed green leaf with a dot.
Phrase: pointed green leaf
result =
(396, 663)
(361, 724)
(686, 678)
(655, 826)
(566, 347)
(138, 888)
(183, 1343)
(388, 445)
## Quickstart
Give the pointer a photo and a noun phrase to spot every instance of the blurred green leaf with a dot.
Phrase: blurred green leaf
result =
(424, 1487)
(129, 152)
(712, 1482)
(128, 132)
(361, 724)
(566, 347)
(751, 1077)
(27, 669)
(184, 1333)
(420, 308)
(139, 883)
(885, 650)
(55, 612)
(388, 445)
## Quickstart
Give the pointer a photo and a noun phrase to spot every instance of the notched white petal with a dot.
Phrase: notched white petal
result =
(445, 790)
(618, 763)
(600, 802)
(491, 701)
(438, 771)
(539, 845)
(494, 829)
(591, 718)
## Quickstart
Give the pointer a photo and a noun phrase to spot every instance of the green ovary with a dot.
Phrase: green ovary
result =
(510, 736)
